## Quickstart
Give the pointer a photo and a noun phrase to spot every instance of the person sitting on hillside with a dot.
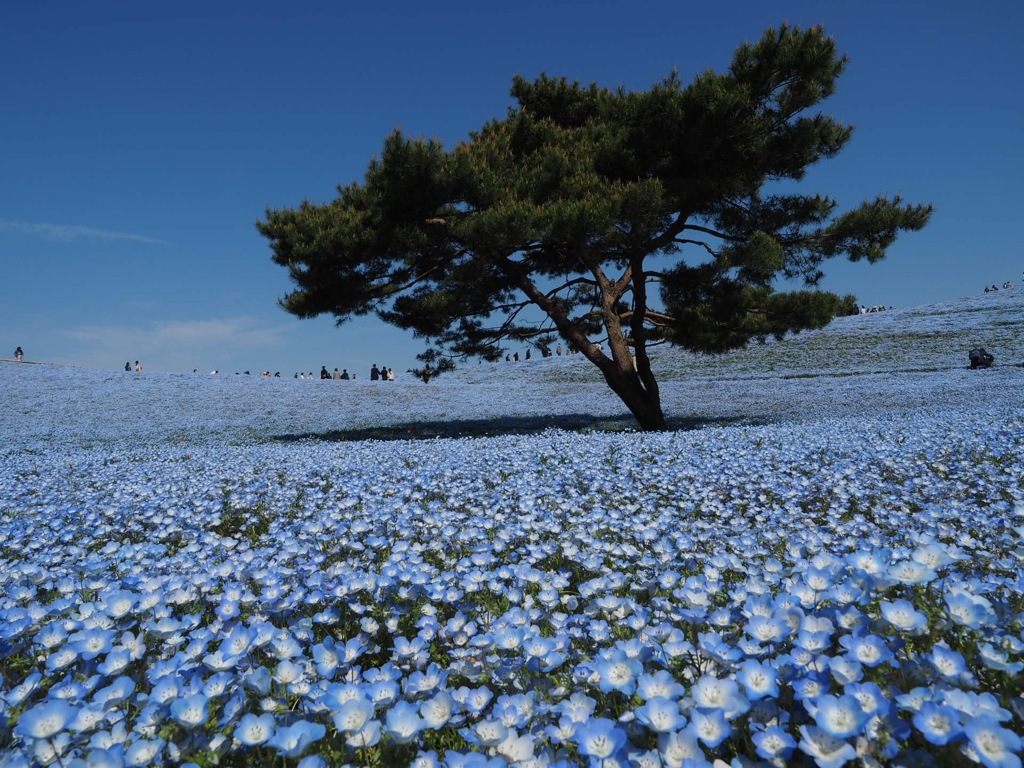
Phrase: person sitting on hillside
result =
(374, 373)
(1007, 284)
(980, 358)
(336, 375)
(323, 372)
(344, 375)
(19, 354)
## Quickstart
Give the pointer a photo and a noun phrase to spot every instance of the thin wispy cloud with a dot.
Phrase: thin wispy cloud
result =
(68, 232)
(175, 344)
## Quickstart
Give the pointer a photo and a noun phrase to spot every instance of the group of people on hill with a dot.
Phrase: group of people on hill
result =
(545, 351)
(376, 374)
(862, 310)
(1006, 285)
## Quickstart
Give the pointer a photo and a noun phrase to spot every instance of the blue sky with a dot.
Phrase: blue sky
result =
(139, 143)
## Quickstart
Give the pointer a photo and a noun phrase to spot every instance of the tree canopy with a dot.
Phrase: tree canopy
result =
(612, 219)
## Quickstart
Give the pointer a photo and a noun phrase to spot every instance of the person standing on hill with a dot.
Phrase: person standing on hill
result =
(375, 373)
(138, 367)
(19, 354)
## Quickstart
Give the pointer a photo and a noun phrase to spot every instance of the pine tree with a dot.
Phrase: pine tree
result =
(561, 218)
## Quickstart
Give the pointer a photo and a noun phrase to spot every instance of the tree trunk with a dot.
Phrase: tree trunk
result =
(644, 404)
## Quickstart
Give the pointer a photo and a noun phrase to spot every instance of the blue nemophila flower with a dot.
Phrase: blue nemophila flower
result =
(51, 635)
(845, 670)
(995, 746)
(383, 692)
(617, 672)
(46, 720)
(253, 730)
(660, 715)
(904, 616)
(101, 758)
(810, 687)
(238, 641)
(660, 683)
(191, 711)
(967, 609)
(827, 751)
(403, 722)
(767, 629)
(813, 642)
(88, 718)
(938, 723)
(998, 659)
(116, 661)
(758, 680)
(949, 663)
(327, 659)
(710, 692)
(516, 748)
(681, 748)
(144, 752)
(599, 738)
(292, 740)
(425, 681)
(711, 726)
(486, 733)
(455, 759)
(64, 657)
(911, 573)
(218, 684)
(437, 710)
(869, 650)
(118, 603)
(839, 716)
(116, 693)
(366, 737)
(774, 743)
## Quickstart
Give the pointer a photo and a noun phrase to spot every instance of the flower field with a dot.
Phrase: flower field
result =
(826, 569)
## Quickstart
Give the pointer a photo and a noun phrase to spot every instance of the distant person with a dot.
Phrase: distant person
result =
(128, 366)
(323, 372)
(344, 375)
(138, 367)
(336, 375)
(1006, 285)
(390, 375)
(375, 373)
(527, 354)
(558, 350)
(19, 354)
(980, 358)
(515, 357)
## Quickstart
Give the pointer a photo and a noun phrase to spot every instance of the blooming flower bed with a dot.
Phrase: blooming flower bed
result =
(837, 578)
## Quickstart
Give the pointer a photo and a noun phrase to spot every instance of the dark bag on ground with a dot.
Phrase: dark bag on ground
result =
(980, 358)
